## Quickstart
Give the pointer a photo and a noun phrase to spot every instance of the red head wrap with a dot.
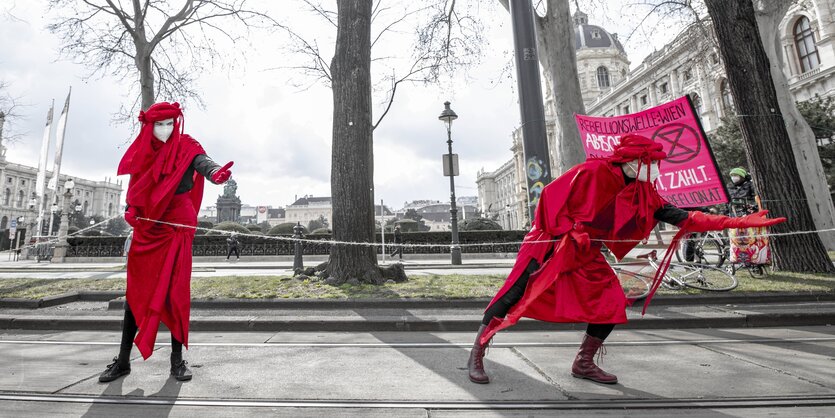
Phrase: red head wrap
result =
(636, 147)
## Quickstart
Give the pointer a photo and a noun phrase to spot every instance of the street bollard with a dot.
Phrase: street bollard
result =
(298, 264)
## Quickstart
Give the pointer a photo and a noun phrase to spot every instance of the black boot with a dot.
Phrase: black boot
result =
(114, 371)
(179, 367)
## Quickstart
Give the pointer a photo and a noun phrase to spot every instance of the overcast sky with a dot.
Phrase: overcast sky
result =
(278, 134)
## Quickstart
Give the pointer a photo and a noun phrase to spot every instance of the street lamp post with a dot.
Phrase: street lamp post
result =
(447, 116)
(61, 248)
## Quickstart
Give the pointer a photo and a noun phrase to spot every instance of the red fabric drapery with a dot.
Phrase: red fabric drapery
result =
(159, 260)
(588, 206)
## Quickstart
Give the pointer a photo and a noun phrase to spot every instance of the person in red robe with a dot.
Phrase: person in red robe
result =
(166, 169)
(561, 275)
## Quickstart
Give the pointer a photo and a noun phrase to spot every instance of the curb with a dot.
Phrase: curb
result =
(19, 303)
(481, 303)
(116, 301)
(399, 323)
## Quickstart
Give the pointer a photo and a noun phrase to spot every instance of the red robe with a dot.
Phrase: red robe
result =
(159, 260)
(577, 213)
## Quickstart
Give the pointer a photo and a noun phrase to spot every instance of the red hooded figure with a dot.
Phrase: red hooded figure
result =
(561, 275)
(166, 169)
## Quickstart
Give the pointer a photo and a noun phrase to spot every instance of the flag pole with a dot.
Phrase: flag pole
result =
(60, 132)
(40, 183)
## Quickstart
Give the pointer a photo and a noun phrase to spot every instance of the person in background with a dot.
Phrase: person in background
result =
(398, 240)
(232, 246)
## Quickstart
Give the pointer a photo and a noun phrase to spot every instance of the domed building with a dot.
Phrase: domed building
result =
(601, 58)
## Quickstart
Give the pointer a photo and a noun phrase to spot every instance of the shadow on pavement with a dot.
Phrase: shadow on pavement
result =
(454, 368)
(170, 390)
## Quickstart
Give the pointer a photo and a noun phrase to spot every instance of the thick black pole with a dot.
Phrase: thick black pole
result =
(535, 140)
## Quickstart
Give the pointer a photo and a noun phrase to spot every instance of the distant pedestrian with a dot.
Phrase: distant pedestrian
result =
(398, 242)
(232, 246)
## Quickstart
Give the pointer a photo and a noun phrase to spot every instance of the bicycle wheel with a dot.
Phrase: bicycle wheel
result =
(687, 245)
(635, 285)
(703, 277)
(711, 252)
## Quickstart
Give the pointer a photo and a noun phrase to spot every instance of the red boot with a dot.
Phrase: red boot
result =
(476, 362)
(584, 367)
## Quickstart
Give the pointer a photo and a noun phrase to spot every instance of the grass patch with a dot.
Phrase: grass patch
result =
(418, 286)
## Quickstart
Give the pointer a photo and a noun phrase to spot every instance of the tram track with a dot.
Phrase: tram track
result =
(508, 344)
(597, 404)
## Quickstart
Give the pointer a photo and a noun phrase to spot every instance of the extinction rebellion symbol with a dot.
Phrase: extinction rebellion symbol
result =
(674, 134)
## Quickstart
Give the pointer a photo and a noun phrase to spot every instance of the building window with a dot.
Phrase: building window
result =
(626, 109)
(84, 208)
(9, 180)
(7, 198)
(110, 209)
(4, 222)
(663, 88)
(727, 98)
(595, 34)
(804, 40)
(20, 199)
(602, 77)
(644, 99)
(22, 182)
(697, 103)
(688, 74)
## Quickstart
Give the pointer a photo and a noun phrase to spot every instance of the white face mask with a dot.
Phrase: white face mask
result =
(647, 173)
(163, 129)
(736, 179)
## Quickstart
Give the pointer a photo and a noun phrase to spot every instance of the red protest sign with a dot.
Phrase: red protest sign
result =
(689, 177)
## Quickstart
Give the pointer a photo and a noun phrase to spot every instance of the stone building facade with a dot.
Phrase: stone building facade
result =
(689, 65)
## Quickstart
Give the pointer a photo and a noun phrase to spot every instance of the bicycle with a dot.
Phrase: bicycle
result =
(637, 284)
(708, 248)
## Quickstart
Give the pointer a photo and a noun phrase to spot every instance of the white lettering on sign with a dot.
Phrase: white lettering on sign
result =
(684, 178)
(605, 143)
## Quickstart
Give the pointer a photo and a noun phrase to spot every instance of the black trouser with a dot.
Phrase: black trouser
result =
(231, 250)
(398, 250)
(129, 329)
(515, 293)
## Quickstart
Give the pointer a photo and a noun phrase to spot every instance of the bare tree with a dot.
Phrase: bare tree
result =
(766, 139)
(446, 37)
(160, 48)
(803, 142)
(769, 14)
(9, 107)
(555, 39)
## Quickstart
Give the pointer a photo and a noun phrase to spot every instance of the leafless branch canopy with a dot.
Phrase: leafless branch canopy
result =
(9, 112)
(444, 36)
(160, 46)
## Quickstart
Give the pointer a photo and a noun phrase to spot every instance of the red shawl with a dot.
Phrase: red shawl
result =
(155, 171)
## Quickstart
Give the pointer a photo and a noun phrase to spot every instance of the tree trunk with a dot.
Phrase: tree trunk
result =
(767, 142)
(352, 172)
(801, 135)
(556, 40)
(146, 73)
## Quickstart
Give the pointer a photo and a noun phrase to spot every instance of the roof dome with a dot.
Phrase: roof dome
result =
(590, 36)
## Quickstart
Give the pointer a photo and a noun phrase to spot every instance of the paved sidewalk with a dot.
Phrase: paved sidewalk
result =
(696, 372)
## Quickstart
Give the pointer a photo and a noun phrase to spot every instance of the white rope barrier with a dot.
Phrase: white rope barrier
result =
(375, 244)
